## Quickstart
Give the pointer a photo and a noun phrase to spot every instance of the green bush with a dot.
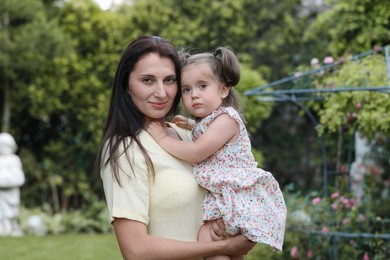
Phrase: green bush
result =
(93, 219)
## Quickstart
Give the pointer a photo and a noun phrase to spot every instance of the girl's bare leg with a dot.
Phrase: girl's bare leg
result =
(204, 234)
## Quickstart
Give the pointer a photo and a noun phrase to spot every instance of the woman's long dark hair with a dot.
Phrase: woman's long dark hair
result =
(124, 118)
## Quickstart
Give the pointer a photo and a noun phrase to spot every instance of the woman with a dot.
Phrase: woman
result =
(154, 202)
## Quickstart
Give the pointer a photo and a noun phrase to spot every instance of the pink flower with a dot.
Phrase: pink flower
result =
(328, 60)
(309, 254)
(325, 229)
(366, 257)
(344, 200)
(358, 105)
(297, 74)
(343, 168)
(334, 206)
(316, 200)
(346, 221)
(376, 171)
(335, 195)
(314, 62)
(348, 203)
(294, 252)
(361, 217)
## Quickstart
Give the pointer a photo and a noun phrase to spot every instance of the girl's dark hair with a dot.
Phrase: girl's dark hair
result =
(124, 118)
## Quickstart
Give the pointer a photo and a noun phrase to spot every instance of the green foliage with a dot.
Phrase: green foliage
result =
(61, 77)
(265, 30)
(254, 111)
(365, 110)
(31, 57)
(36, 188)
(92, 219)
(93, 65)
(351, 25)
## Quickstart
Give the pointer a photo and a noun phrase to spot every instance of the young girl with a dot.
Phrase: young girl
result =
(247, 198)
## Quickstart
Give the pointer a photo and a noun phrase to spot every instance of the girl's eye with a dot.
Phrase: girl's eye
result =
(202, 86)
(185, 90)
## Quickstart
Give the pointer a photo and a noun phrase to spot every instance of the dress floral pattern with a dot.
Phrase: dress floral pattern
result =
(247, 198)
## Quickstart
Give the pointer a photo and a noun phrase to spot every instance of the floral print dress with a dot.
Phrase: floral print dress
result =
(247, 198)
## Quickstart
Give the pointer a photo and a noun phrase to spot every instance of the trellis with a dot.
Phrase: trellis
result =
(298, 96)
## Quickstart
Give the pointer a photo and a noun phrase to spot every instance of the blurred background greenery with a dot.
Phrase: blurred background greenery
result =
(58, 59)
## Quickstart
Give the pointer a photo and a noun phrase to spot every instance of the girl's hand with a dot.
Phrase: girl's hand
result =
(218, 230)
(183, 122)
(157, 130)
(239, 245)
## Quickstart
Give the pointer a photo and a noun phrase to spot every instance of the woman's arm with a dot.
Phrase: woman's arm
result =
(135, 243)
(221, 131)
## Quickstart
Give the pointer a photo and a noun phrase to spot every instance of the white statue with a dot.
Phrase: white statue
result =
(11, 179)
(360, 166)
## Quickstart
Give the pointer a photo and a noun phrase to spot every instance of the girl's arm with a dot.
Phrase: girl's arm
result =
(135, 243)
(221, 131)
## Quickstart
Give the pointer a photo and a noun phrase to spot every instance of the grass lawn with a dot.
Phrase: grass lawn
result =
(60, 247)
(81, 247)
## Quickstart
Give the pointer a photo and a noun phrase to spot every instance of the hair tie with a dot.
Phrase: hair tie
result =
(217, 54)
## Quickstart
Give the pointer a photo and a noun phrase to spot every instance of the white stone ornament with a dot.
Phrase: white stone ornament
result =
(11, 179)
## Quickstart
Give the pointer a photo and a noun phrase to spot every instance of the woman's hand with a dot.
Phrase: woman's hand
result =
(183, 122)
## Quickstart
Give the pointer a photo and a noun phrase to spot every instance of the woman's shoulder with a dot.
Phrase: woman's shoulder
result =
(126, 147)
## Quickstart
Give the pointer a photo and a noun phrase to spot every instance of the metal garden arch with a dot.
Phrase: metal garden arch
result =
(297, 96)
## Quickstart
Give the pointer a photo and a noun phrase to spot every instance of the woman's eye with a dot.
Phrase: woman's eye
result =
(171, 80)
(147, 80)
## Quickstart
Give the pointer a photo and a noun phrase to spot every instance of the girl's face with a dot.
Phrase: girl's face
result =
(202, 92)
(152, 86)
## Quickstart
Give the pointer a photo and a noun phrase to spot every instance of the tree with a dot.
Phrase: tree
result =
(33, 44)
(69, 130)
(61, 60)
(23, 24)
(268, 32)
(350, 26)
(33, 62)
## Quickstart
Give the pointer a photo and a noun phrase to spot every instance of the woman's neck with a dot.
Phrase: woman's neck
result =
(148, 120)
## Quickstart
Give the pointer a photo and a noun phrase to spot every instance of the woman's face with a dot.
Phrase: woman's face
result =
(153, 86)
